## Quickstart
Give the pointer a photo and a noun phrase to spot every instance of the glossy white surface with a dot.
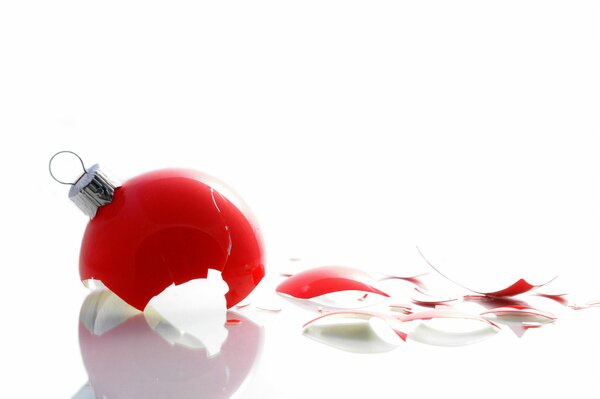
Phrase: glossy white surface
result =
(355, 131)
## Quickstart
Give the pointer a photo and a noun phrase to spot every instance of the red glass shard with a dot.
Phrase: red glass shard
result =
(424, 298)
(527, 326)
(362, 298)
(169, 227)
(494, 302)
(234, 321)
(519, 287)
(401, 306)
(328, 279)
(559, 298)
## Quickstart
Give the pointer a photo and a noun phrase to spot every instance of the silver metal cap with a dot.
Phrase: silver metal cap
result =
(93, 189)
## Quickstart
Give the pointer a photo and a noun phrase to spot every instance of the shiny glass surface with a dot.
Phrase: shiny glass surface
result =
(168, 227)
(326, 280)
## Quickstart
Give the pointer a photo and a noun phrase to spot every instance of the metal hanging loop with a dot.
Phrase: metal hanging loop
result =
(65, 152)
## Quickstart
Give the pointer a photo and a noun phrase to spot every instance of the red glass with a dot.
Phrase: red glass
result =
(327, 279)
(519, 287)
(169, 227)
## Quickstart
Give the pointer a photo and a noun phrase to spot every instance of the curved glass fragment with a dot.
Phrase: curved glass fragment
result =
(521, 286)
(360, 332)
(323, 280)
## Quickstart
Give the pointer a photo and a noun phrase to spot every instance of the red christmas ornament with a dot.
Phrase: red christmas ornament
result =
(166, 227)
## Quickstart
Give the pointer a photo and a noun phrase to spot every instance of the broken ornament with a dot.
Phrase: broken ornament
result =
(162, 228)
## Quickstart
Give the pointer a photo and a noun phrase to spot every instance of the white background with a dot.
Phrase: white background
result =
(355, 130)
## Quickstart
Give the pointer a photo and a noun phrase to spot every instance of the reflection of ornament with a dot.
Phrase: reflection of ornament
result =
(115, 342)
(165, 227)
(373, 332)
